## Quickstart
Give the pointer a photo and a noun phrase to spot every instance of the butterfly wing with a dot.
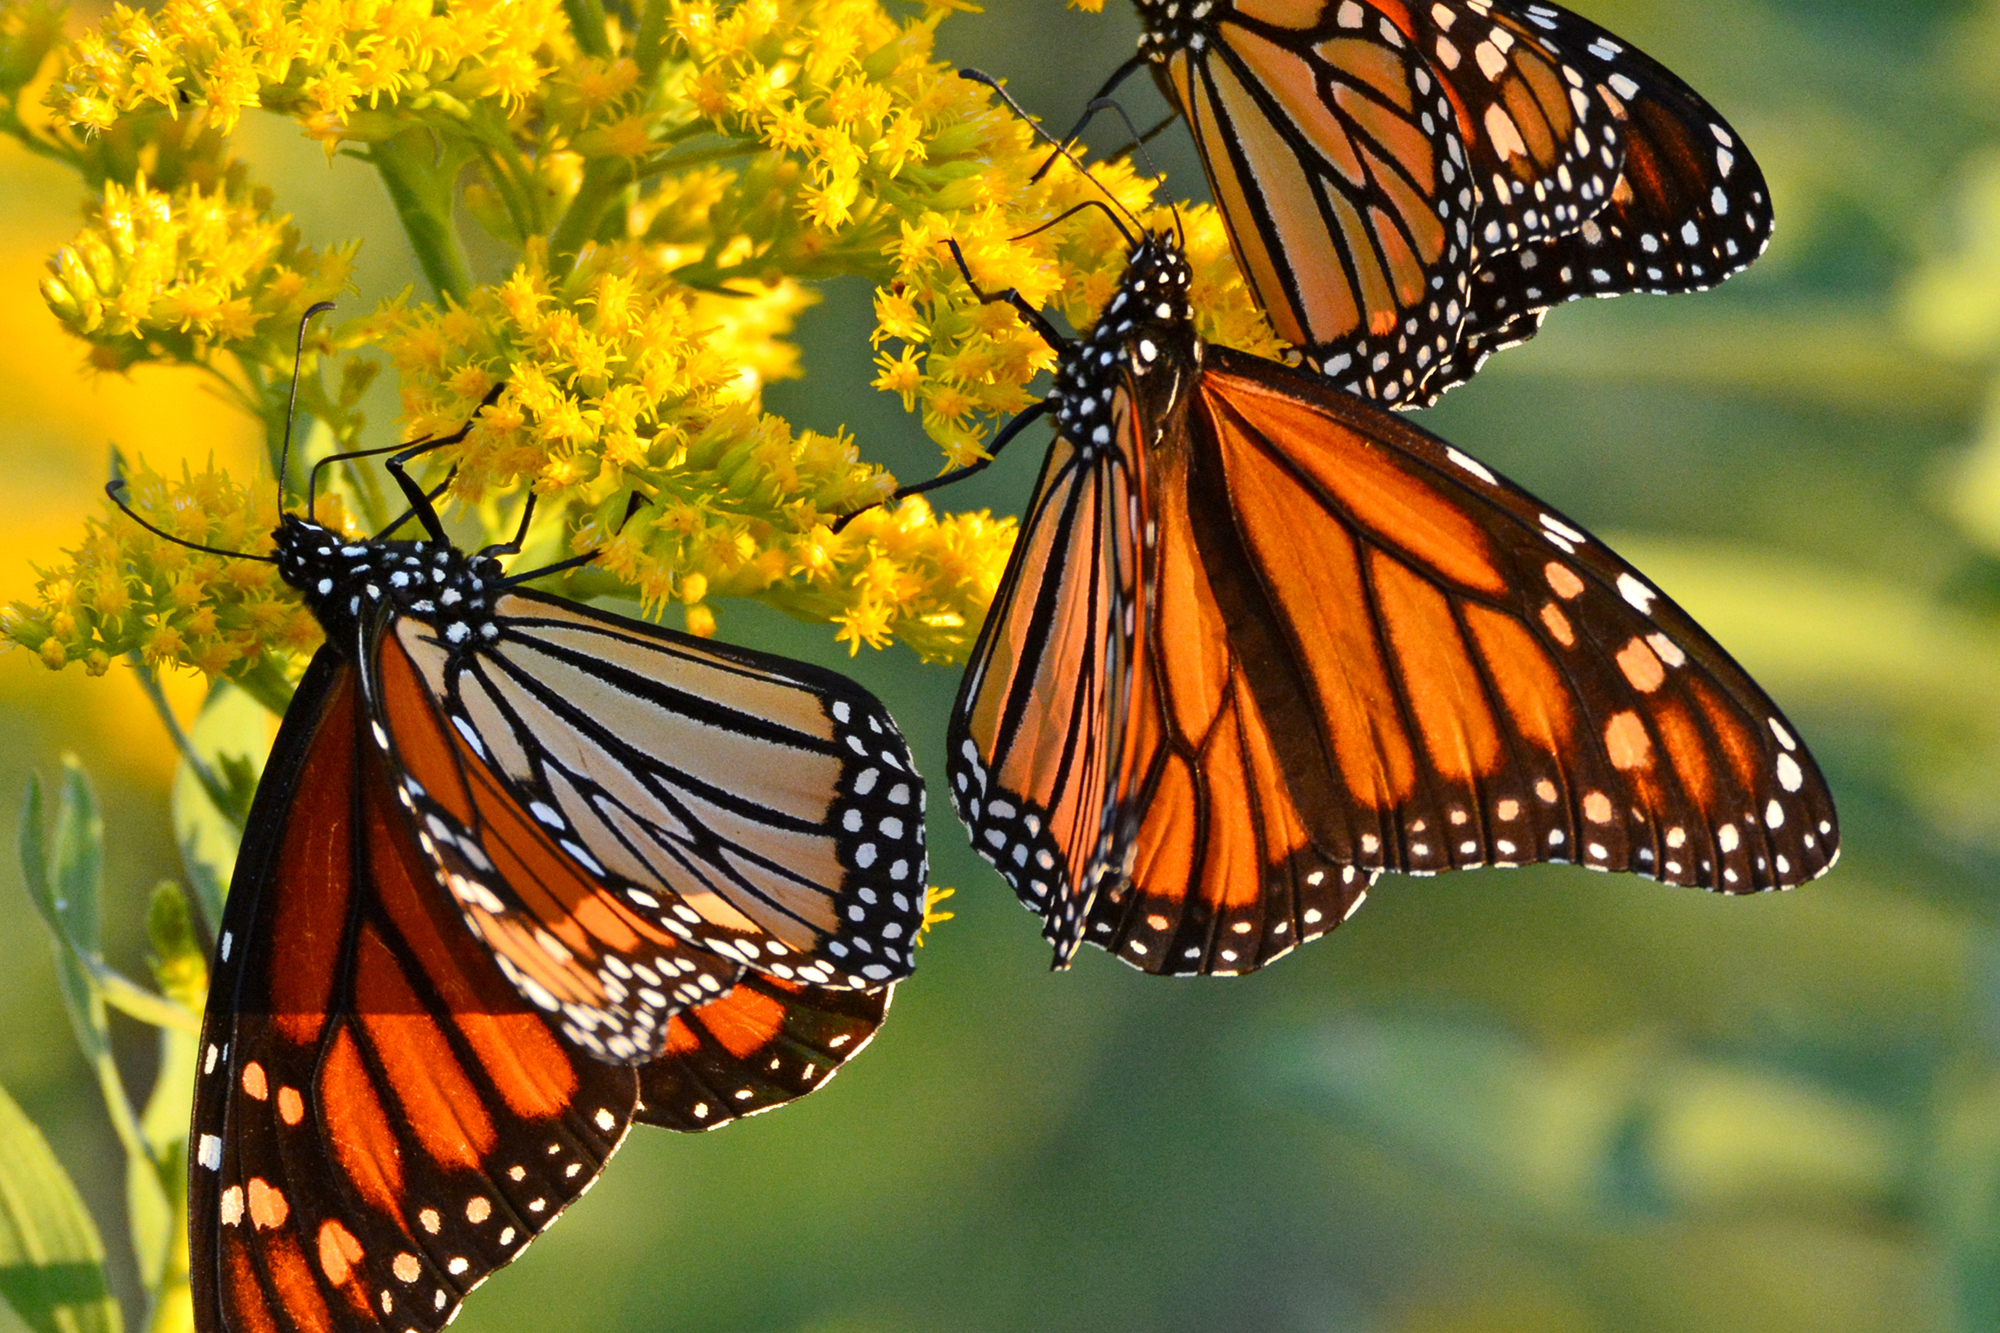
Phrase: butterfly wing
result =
(1510, 690)
(1339, 167)
(1583, 168)
(1373, 654)
(1036, 745)
(630, 817)
(380, 1120)
(765, 1043)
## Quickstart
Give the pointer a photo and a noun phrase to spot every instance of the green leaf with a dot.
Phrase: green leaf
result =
(51, 1260)
(231, 738)
(64, 874)
(156, 1191)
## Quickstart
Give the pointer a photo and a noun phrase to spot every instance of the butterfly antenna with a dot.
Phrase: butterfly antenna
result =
(292, 402)
(981, 77)
(115, 489)
(1145, 158)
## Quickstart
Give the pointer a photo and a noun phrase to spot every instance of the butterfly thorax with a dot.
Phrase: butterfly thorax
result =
(345, 580)
(1174, 25)
(1147, 328)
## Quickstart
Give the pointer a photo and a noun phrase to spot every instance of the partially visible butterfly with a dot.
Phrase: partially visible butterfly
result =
(519, 873)
(1409, 187)
(1260, 641)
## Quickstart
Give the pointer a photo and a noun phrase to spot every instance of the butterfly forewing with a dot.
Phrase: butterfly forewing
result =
(1407, 187)
(764, 1044)
(1503, 689)
(1322, 142)
(600, 767)
(380, 1120)
(1036, 784)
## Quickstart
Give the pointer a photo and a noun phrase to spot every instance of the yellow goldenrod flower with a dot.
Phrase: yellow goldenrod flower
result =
(671, 189)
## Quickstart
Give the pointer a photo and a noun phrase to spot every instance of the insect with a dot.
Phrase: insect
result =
(1261, 640)
(1410, 187)
(519, 874)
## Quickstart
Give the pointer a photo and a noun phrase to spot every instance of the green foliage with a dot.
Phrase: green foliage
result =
(62, 861)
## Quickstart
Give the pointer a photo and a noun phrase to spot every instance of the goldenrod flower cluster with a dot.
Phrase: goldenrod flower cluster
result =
(171, 277)
(671, 182)
(125, 590)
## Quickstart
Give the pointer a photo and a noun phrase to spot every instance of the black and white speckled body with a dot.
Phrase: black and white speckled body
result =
(344, 581)
(1148, 325)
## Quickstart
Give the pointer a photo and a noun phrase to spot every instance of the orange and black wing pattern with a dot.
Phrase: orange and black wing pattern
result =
(1351, 649)
(1537, 159)
(765, 1043)
(1036, 742)
(630, 818)
(380, 1119)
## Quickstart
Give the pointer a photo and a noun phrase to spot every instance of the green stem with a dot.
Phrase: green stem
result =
(586, 22)
(421, 193)
(649, 51)
(172, 1303)
(267, 685)
(603, 180)
(128, 997)
(149, 681)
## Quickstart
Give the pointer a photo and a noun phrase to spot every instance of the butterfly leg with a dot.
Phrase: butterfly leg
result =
(1000, 442)
(398, 462)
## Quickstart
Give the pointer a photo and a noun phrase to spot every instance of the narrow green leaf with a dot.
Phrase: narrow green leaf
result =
(230, 739)
(35, 850)
(78, 877)
(51, 1260)
(65, 875)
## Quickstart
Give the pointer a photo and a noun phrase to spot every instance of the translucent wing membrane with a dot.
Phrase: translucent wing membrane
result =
(583, 781)
(1409, 187)
(1340, 170)
(380, 1120)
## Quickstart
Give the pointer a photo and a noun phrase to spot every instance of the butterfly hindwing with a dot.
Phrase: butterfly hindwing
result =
(765, 1043)
(380, 1120)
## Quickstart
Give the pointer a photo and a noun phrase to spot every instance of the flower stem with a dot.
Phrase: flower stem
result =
(420, 187)
(604, 179)
(586, 21)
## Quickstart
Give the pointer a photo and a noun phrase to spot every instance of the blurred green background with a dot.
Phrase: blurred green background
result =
(1531, 1100)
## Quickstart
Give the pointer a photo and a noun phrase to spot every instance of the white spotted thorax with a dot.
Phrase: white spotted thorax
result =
(344, 581)
(1148, 324)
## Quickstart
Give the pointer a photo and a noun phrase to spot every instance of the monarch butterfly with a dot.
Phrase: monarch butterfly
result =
(519, 874)
(1410, 187)
(1261, 640)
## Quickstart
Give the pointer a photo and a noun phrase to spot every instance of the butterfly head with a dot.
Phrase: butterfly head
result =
(345, 581)
(1148, 327)
(1173, 25)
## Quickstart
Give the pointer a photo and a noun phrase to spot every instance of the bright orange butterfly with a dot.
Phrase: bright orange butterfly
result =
(518, 874)
(1410, 186)
(1260, 641)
